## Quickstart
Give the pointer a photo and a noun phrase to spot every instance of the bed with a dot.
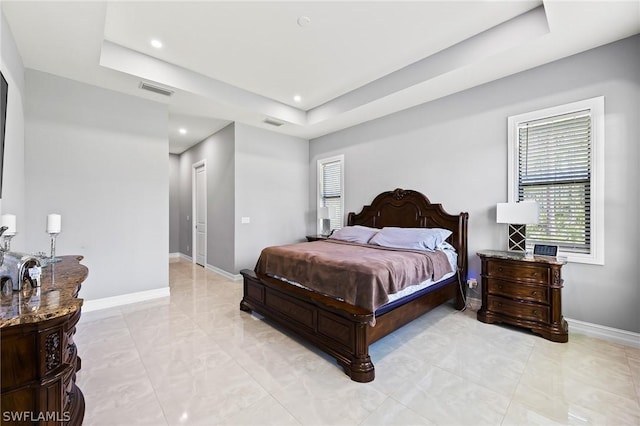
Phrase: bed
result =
(345, 330)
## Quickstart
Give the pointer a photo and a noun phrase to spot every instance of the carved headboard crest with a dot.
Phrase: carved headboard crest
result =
(399, 194)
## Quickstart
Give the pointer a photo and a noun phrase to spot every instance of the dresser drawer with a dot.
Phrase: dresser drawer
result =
(520, 271)
(532, 312)
(518, 291)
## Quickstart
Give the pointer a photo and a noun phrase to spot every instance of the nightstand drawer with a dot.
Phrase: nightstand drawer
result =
(518, 309)
(525, 291)
(519, 271)
(518, 291)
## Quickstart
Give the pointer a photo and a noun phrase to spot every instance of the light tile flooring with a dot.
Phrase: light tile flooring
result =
(195, 358)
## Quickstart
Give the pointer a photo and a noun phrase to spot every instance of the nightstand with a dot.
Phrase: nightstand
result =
(523, 291)
(316, 237)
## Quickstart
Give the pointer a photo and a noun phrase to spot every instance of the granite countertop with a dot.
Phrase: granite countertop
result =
(56, 296)
(515, 255)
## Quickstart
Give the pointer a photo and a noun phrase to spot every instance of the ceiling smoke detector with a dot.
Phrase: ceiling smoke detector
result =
(156, 89)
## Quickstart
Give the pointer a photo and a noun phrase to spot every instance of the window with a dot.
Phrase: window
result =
(330, 190)
(556, 158)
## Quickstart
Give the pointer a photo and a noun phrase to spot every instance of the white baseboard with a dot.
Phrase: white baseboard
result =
(615, 335)
(224, 273)
(124, 299)
(211, 268)
(610, 334)
(179, 256)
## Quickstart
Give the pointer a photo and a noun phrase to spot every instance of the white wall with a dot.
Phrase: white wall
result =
(100, 159)
(13, 193)
(454, 150)
(272, 180)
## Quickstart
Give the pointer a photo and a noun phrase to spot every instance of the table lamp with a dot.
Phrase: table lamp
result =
(325, 217)
(518, 216)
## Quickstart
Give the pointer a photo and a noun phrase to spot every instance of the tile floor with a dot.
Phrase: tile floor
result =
(195, 358)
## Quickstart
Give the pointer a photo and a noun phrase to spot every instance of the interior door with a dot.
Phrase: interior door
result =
(201, 215)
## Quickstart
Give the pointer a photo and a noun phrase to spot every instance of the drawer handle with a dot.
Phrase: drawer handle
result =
(534, 274)
(534, 293)
(500, 269)
(500, 287)
(535, 313)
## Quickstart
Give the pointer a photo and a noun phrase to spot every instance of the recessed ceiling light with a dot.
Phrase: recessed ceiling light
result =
(156, 43)
(297, 98)
(182, 131)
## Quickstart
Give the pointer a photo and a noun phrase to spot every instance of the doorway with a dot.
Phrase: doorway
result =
(199, 238)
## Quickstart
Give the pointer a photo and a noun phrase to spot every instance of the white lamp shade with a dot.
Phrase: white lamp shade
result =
(522, 213)
(323, 213)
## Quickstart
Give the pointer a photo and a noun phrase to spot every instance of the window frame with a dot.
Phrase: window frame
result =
(596, 107)
(319, 166)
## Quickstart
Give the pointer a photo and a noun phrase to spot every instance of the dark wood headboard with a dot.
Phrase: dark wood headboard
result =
(411, 209)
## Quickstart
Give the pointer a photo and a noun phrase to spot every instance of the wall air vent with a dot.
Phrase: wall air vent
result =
(156, 89)
(273, 122)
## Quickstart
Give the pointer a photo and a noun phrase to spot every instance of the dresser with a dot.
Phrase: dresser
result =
(524, 291)
(39, 357)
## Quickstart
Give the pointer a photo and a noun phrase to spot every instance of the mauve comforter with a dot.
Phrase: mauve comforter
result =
(361, 275)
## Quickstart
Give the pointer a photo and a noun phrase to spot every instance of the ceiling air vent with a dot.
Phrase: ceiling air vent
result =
(156, 89)
(273, 122)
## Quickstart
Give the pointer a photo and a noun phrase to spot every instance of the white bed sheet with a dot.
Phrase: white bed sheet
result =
(453, 261)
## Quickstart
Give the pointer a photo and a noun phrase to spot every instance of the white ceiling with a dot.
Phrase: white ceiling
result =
(353, 62)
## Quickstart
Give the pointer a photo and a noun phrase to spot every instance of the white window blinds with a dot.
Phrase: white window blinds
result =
(555, 169)
(331, 191)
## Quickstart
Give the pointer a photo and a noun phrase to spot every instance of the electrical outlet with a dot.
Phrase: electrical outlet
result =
(472, 283)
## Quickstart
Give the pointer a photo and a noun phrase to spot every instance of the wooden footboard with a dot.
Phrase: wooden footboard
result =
(337, 328)
(334, 327)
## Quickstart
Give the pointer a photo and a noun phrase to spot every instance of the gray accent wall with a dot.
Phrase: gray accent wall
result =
(174, 203)
(253, 173)
(454, 150)
(272, 179)
(218, 152)
(98, 158)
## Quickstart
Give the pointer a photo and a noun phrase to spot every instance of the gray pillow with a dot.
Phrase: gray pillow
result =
(354, 234)
(411, 238)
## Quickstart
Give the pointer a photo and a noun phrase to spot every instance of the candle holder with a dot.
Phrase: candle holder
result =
(53, 258)
(7, 241)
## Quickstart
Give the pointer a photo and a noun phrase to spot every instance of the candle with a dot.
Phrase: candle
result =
(54, 223)
(9, 220)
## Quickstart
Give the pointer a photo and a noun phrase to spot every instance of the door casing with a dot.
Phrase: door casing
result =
(194, 210)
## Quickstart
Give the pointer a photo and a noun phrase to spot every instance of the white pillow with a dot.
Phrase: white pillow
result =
(354, 234)
(411, 238)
